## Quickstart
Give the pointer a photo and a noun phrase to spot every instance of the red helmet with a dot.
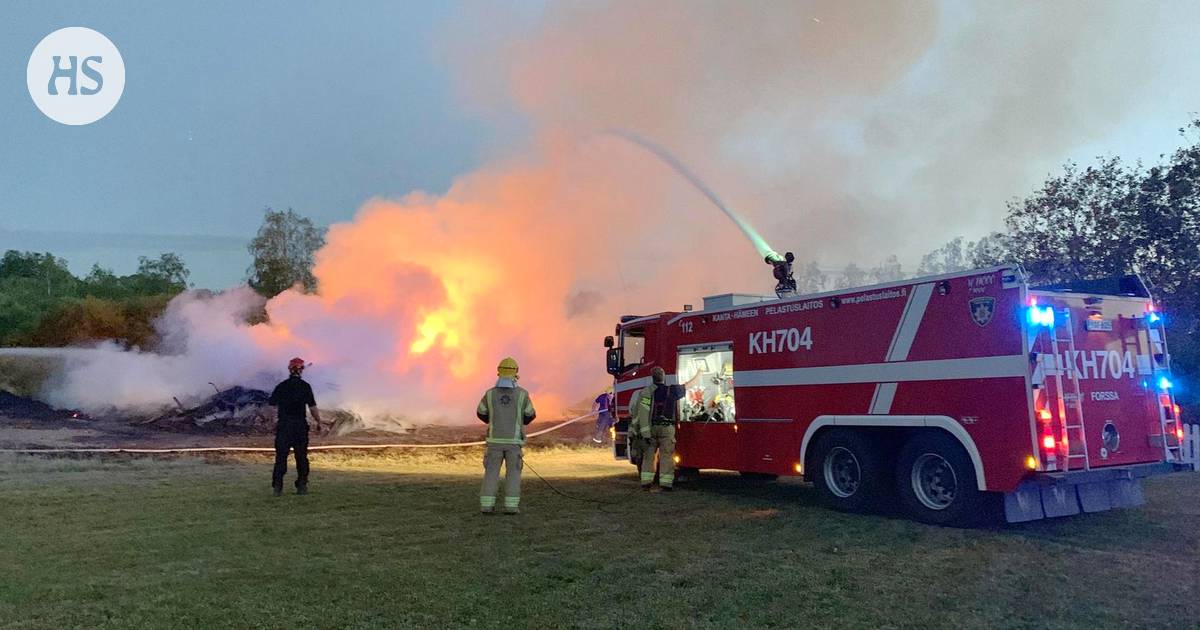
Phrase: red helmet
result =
(296, 364)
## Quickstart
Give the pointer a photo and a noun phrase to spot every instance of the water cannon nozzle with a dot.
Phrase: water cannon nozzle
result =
(773, 258)
(781, 269)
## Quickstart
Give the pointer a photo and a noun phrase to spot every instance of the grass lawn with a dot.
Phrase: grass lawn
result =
(395, 541)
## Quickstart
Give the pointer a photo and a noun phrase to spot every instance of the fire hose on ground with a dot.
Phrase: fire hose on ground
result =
(269, 449)
(323, 447)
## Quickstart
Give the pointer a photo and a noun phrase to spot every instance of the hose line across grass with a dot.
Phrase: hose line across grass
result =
(268, 449)
(572, 497)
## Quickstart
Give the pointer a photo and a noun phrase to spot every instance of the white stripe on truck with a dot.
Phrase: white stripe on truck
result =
(902, 341)
(897, 372)
(882, 401)
(910, 321)
(882, 373)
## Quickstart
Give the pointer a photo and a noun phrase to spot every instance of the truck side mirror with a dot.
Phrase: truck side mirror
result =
(613, 359)
(608, 342)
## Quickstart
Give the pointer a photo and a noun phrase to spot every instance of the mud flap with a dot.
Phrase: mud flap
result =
(1032, 500)
(1110, 494)
(1059, 500)
(1123, 493)
(1024, 504)
(1094, 496)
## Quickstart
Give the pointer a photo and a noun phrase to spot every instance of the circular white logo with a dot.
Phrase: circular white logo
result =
(75, 75)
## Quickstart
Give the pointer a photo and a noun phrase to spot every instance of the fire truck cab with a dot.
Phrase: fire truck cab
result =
(947, 394)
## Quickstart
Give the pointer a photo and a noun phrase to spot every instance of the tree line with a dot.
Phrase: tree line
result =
(43, 304)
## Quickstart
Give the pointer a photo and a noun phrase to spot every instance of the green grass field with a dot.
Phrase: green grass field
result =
(395, 541)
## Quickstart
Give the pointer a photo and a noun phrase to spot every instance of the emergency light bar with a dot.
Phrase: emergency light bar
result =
(1153, 316)
(1041, 316)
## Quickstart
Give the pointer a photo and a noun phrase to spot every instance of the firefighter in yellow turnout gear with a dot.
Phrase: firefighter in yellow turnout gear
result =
(652, 412)
(506, 409)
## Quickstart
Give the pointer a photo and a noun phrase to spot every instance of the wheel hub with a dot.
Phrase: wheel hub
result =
(934, 482)
(843, 475)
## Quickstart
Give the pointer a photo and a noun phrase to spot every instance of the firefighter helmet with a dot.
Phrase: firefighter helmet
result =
(296, 364)
(507, 368)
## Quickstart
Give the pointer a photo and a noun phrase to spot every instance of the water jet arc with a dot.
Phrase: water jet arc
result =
(759, 243)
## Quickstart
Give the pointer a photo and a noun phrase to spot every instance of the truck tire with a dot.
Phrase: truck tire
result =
(848, 471)
(936, 483)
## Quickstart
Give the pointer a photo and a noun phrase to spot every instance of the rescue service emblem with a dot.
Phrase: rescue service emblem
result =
(982, 309)
(505, 399)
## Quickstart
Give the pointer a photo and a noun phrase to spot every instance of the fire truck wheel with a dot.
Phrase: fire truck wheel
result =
(848, 471)
(936, 481)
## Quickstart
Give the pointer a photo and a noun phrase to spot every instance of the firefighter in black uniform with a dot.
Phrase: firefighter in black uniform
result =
(293, 398)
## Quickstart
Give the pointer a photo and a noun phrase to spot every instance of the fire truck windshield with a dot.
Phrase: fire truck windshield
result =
(633, 346)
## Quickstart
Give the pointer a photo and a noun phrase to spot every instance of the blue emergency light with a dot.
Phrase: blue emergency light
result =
(1041, 316)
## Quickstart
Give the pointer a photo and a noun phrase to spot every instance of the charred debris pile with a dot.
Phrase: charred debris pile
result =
(245, 411)
(237, 410)
(26, 408)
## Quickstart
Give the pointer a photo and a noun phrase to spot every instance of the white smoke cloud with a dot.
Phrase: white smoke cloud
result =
(205, 340)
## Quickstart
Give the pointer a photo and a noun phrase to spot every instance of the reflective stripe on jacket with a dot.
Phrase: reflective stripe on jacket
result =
(639, 410)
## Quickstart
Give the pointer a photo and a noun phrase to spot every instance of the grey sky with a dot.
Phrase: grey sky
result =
(227, 108)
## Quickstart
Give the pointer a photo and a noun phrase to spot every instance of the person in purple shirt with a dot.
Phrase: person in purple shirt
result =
(603, 407)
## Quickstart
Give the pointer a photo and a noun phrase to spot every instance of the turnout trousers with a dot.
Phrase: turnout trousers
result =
(662, 440)
(510, 456)
(290, 438)
(637, 449)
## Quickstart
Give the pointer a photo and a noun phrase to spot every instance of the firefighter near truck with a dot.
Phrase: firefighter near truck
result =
(955, 396)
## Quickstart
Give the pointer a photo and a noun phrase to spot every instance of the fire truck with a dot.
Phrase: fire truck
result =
(949, 396)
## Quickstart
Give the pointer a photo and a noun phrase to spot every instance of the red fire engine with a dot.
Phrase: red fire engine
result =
(944, 392)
